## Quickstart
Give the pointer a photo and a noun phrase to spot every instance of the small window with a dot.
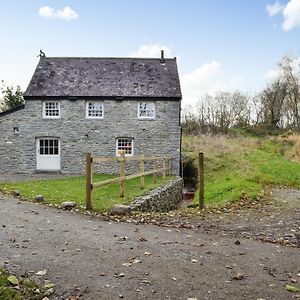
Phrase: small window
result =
(51, 109)
(94, 109)
(146, 110)
(125, 144)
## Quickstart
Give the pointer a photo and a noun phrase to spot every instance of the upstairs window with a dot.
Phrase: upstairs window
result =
(146, 110)
(51, 109)
(125, 144)
(94, 109)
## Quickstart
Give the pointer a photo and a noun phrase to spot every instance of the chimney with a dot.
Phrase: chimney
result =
(162, 58)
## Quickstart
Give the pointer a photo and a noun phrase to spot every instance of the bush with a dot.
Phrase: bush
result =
(190, 172)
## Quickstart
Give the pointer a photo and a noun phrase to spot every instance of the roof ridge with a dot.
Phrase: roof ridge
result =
(94, 57)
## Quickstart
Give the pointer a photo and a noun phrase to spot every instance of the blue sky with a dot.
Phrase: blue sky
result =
(220, 44)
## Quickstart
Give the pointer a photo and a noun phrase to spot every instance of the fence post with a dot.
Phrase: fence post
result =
(154, 170)
(164, 168)
(201, 179)
(122, 173)
(89, 181)
(142, 169)
(171, 166)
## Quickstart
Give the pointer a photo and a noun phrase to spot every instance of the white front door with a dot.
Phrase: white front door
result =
(48, 154)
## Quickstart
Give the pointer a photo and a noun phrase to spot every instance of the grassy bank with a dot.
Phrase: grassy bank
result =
(243, 166)
(57, 191)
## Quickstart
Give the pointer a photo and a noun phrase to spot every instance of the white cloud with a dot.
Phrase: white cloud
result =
(291, 14)
(207, 79)
(271, 74)
(274, 74)
(274, 9)
(66, 14)
(152, 50)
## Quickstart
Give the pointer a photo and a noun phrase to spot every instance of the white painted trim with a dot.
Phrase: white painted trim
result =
(43, 162)
(132, 146)
(44, 109)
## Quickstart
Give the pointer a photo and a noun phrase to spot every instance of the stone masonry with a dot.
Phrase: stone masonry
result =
(161, 199)
(20, 129)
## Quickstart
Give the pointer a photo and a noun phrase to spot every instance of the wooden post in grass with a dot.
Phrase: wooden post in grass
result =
(154, 170)
(164, 168)
(122, 173)
(142, 169)
(169, 166)
(201, 179)
(89, 181)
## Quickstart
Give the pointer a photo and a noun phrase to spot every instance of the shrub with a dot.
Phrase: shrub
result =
(190, 172)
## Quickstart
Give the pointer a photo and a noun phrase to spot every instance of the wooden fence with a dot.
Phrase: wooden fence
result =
(166, 169)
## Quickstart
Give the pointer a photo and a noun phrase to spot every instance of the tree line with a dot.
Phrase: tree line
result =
(276, 107)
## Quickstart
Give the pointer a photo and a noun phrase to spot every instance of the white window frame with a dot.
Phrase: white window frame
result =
(87, 109)
(117, 146)
(152, 109)
(45, 116)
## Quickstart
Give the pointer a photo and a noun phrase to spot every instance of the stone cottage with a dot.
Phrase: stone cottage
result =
(98, 105)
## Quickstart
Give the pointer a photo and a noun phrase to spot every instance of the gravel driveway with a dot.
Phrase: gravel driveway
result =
(94, 259)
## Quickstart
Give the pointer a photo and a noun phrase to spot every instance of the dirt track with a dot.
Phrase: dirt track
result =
(84, 256)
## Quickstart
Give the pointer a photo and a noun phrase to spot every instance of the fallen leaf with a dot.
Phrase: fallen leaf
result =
(49, 285)
(238, 276)
(41, 273)
(147, 253)
(13, 279)
(291, 288)
(194, 260)
(127, 264)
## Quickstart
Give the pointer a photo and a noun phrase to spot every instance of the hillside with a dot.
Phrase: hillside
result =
(239, 167)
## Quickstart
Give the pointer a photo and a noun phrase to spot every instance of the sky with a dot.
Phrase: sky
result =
(219, 44)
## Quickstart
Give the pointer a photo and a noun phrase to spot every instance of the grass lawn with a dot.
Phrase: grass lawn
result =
(56, 191)
(236, 167)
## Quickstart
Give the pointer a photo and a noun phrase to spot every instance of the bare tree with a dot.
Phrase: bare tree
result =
(272, 100)
(288, 68)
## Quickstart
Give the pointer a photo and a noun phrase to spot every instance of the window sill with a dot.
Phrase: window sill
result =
(51, 118)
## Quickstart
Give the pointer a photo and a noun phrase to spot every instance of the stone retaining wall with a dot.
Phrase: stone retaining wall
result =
(161, 199)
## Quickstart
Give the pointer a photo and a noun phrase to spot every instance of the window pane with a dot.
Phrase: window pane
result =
(51, 109)
(146, 109)
(125, 144)
(56, 151)
(95, 109)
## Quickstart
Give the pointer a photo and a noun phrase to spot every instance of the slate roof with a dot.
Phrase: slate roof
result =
(104, 77)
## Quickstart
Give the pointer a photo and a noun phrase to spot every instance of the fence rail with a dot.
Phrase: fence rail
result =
(166, 169)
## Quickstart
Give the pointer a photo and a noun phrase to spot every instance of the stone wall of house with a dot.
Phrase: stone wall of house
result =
(78, 135)
(161, 199)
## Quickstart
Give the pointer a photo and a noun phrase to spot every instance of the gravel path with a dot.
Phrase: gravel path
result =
(94, 259)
